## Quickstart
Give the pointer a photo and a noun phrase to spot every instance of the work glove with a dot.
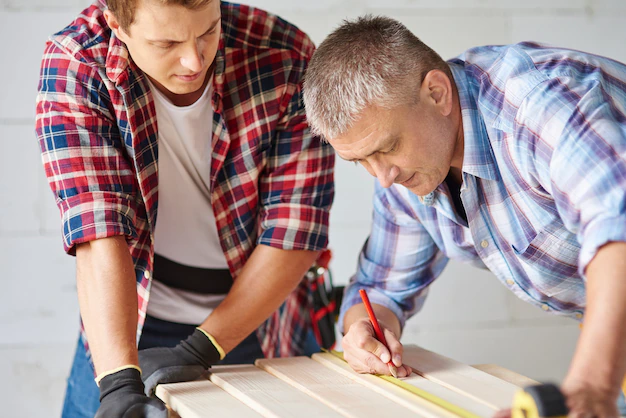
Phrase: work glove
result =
(122, 396)
(187, 361)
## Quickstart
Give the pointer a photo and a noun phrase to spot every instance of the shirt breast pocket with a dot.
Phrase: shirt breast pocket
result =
(550, 258)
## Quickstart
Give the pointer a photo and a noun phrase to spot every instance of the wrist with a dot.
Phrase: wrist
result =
(201, 348)
(102, 375)
(213, 341)
(127, 380)
(597, 374)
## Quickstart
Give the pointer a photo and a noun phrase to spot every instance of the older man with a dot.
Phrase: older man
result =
(510, 157)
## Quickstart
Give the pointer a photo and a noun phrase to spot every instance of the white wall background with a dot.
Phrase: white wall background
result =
(469, 316)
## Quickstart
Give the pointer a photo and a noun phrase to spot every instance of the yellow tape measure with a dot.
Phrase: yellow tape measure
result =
(457, 410)
(539, 401)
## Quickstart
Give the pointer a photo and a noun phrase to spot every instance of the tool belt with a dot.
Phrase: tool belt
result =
(325, 300)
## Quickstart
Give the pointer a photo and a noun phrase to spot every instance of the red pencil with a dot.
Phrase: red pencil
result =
(379, 333)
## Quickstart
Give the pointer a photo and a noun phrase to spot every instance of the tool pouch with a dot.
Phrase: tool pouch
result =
(323, 301)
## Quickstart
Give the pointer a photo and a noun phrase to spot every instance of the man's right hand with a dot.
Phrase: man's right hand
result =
(365, 354)
(122, 396)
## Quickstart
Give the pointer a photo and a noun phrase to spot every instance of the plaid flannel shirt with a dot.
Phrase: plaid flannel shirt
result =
(271, 180)
(544, 184)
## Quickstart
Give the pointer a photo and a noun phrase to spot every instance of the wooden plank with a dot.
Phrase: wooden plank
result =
(506, 374)
(404, 397)
(202, 399)
(267, 394)
(341, 393)
(460, 377)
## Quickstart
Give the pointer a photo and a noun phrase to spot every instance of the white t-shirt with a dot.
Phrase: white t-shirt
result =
(185, 230)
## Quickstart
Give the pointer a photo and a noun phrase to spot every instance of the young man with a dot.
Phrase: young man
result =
(510, 157)
(193, 107)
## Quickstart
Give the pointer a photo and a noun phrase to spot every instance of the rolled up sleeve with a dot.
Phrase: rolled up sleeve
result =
(84, 159)
(582, 160)
(297, 187)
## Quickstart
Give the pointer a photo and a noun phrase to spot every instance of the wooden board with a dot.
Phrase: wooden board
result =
(460, 377)
(267, 394)
(202, 399)
(403, 396)
(506, 374)
(341, 393)
(327, 387)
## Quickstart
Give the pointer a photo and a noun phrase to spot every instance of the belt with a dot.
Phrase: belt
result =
(192, 279)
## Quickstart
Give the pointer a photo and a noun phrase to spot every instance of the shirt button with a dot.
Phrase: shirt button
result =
(510, 282)
(484, 243)
(545, 307)
(146, 274)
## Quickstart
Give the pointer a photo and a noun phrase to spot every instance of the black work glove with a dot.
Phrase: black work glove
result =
(187, 361)
(122, 396)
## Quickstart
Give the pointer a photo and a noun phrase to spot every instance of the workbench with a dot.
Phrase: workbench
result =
(325, 386)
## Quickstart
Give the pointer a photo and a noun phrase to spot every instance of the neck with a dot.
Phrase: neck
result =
(459, 146)
(186, 99)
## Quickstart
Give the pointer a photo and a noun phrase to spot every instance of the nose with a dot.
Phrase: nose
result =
(192, 58)
(385, 173)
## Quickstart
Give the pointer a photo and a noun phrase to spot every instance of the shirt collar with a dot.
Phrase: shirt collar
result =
(478, 158)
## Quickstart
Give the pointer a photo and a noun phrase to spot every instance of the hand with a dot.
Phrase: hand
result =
(122, 396)
(187, 361)
(365, 354)
(585, 399)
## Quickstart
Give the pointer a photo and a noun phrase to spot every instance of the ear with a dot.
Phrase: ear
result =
(114, 24)
(437, 89)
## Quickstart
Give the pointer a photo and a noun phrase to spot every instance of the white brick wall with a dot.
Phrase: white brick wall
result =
(468, 316)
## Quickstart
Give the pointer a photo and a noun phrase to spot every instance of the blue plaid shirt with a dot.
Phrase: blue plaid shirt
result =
(544, 181)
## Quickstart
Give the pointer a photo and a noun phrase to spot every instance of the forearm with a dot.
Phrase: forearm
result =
(600, 355)
(269, 276)
(383, 315)
(107, 295)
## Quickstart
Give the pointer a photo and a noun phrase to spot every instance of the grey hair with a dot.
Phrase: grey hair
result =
(373, 60)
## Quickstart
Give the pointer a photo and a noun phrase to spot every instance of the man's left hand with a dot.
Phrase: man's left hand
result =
(187, 361)
(584, 399)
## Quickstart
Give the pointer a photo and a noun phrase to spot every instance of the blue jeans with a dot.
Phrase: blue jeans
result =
(82, 397)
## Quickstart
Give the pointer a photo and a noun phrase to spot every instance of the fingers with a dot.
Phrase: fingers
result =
(404, 371)
(395, 347)
(503, 413)
(585, 400)
(397, 350)
(365, 354)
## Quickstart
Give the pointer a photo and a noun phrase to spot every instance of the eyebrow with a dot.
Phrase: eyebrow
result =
(213, 26)
(391, 140)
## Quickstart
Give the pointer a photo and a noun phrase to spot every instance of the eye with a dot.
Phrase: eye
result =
(167, 45)
(211, 32)
(392, 149)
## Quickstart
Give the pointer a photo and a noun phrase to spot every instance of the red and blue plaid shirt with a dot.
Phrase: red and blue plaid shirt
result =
(271, 180)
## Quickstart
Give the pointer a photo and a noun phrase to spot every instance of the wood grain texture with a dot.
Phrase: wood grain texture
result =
(404, 397)
(267, 394)
(349, 398)
(202, 399)
(460, 377)
(505, 374)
